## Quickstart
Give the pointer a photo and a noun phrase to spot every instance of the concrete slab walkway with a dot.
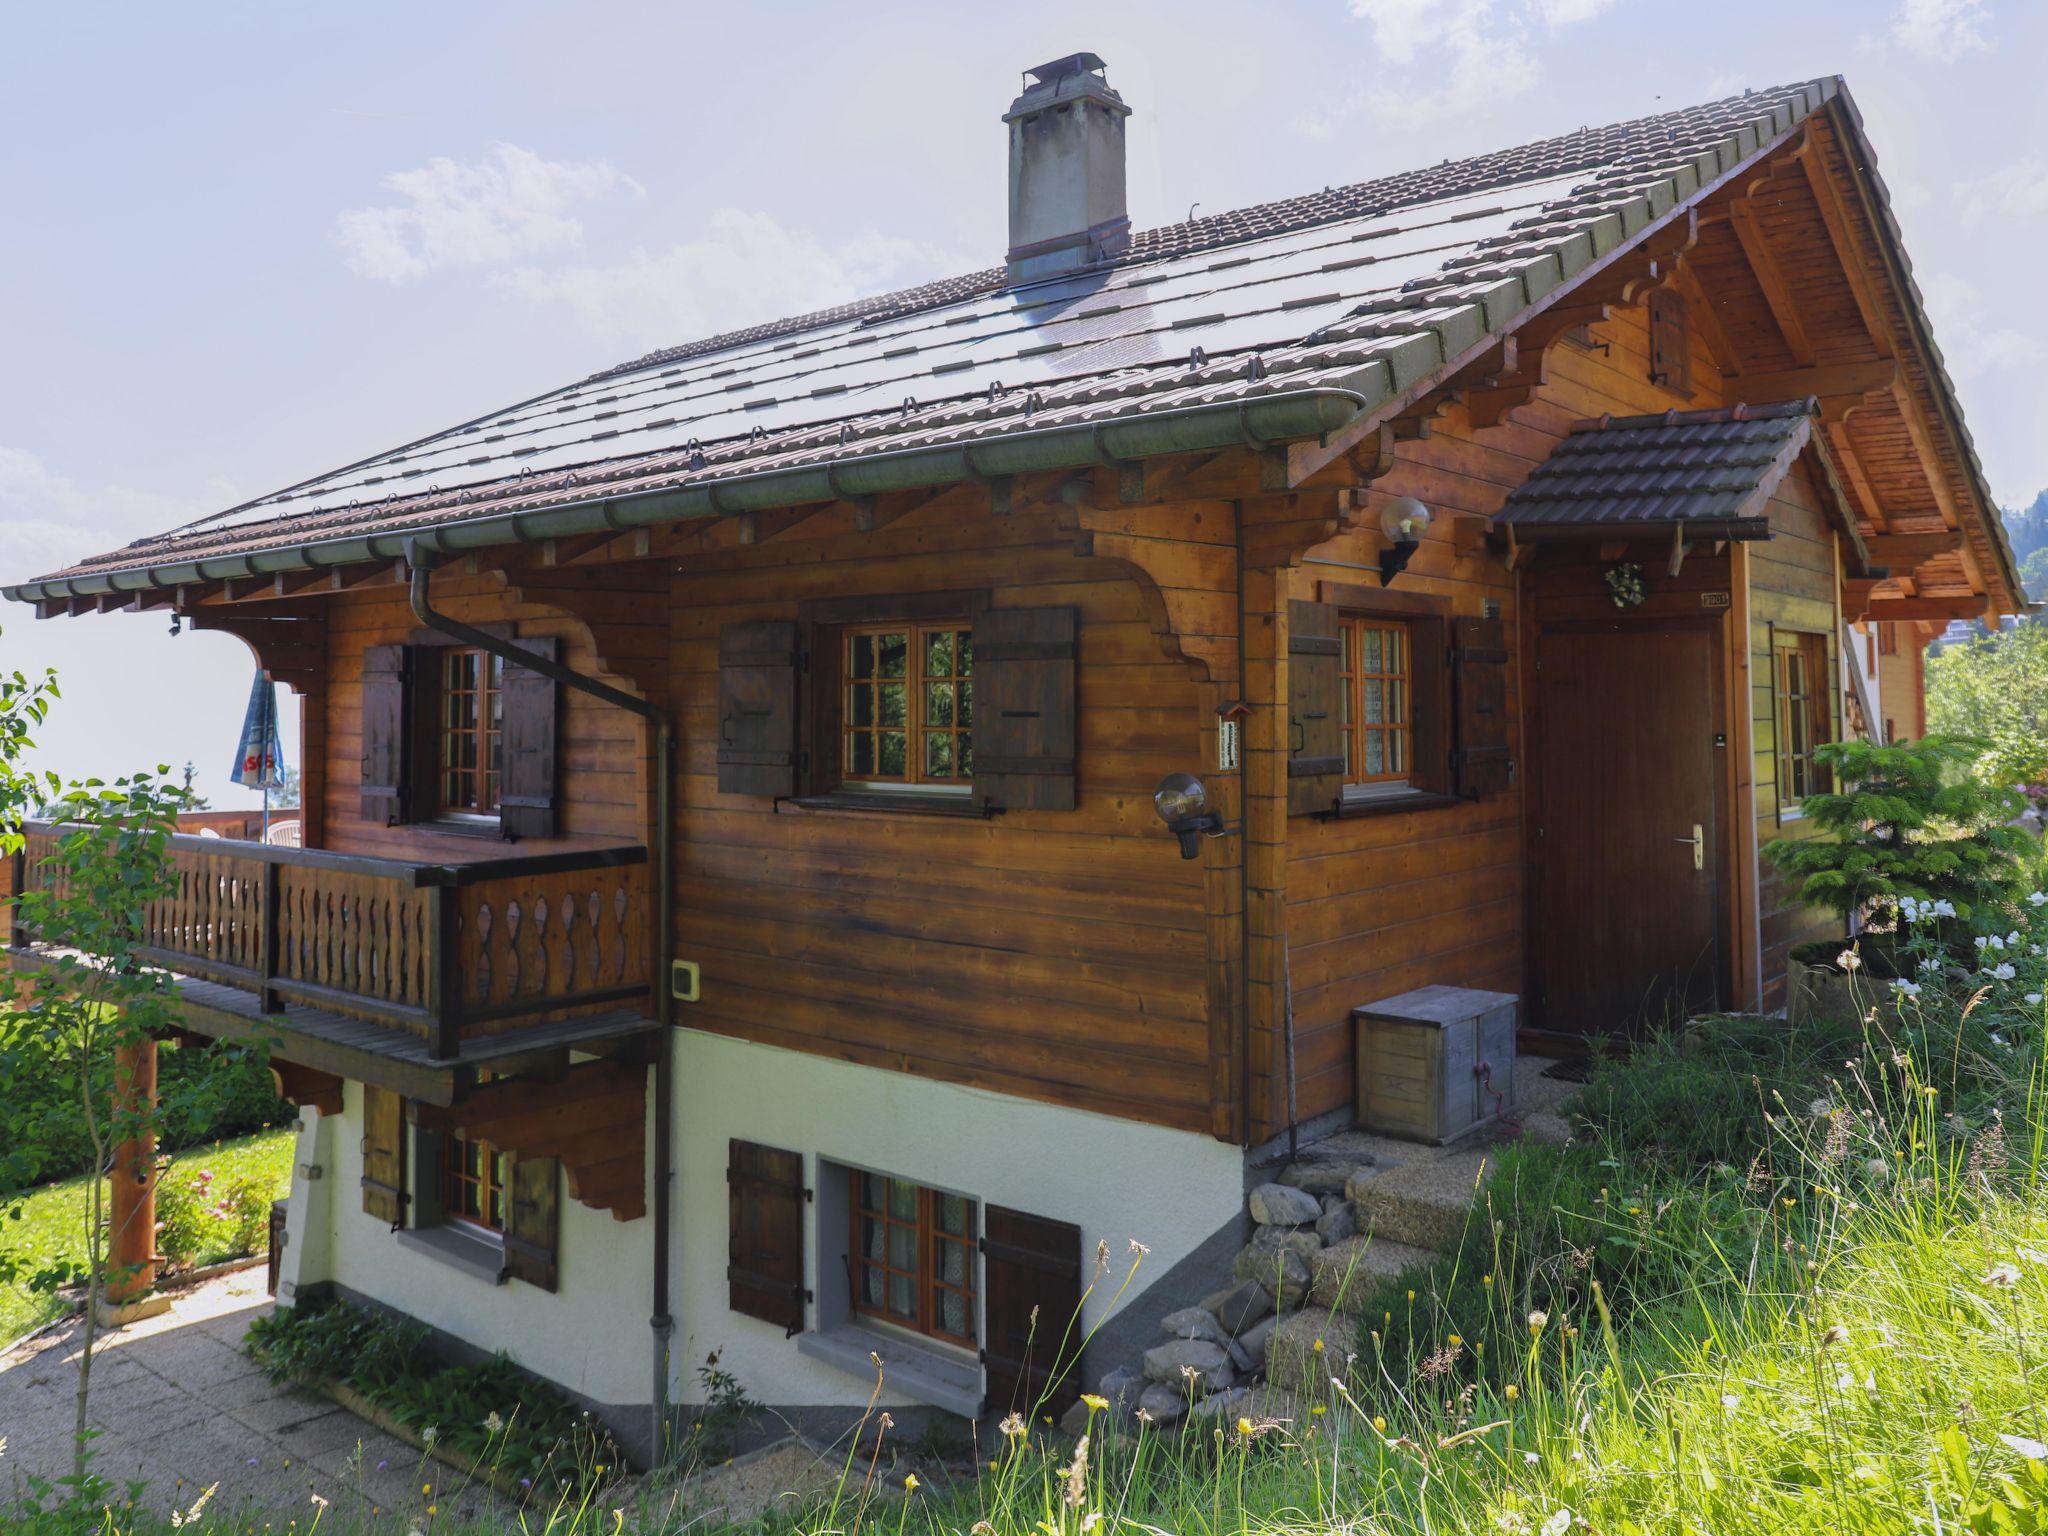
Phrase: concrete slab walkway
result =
(180, 1407)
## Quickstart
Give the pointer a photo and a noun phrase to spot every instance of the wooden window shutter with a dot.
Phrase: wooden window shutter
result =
(526, 785)
(533, 1224)
(387, 732)
(757, 671)
(765, 1254)
(383, 1155)
(1031, 1279)
(1480, 764)
(1315, 718)
(1670, 342)
(1026, 724)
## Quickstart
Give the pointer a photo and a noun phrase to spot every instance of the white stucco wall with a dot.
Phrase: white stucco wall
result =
(1115, 1179)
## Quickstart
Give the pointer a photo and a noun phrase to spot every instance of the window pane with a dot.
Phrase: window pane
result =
(895, 700)
(860, 706)
(1375, 752)
(1397, 752)
(902, 1200)
(860, 661)
(938, 704)
(1375, 702)
(892, 753)
(871, 1283)
(1397, 699)
(965, 694)
(863, 755)
(1368, 650)
(902, 1296)
(966, 756)
(1394, 647)
(953, 1263)
(953, 1313)
(892, 654)
(938, 756)
(952, 1213)
(965, 646)
(903, 1247)
(938, 654)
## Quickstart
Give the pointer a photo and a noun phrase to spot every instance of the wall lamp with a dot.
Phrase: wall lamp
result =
(1404, 522)
(1183, 805)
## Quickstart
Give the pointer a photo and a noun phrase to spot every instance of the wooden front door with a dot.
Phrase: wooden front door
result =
(1627, 919)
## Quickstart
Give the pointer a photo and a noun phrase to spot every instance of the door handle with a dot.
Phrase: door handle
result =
(1699, 845)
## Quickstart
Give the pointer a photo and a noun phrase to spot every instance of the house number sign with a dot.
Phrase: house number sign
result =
(1714, 599)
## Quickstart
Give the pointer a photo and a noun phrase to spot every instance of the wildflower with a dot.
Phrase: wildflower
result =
(1930, 967)
(493, 1424)
(431, 1433)
(1537, 1320)
(1379, 1424)
(1849, 960)
(1834, 1333)
(1513, 1393)
(1091, 1520)
(1244, 1427)
(318, 1502)
(1144, 1415)
(1557, 1524)
(1906, 988)
(1454, 1341)
(1487, 1281)
(1982, 941)
(1317, 1346)
(1013, 1426)
(1730, 1401)
(1095, 1404)
(2003, 971)
(1318, 1410)
(1944, 908)
(1139, 1248)
(2033, 999)
(1411, 1295)
(1077, 1475)
(910, 1482)
(2003, 1277)
(2037, 898)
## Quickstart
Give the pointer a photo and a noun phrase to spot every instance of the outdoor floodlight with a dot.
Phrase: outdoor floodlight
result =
(1403, 522)
(1183, 804)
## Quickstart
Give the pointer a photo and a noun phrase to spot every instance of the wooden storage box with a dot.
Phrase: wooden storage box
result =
(1436, 1062)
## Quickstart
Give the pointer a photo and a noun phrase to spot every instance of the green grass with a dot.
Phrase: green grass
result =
(52, 1225)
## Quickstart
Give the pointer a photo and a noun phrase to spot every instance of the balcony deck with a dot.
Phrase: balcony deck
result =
(410, 975)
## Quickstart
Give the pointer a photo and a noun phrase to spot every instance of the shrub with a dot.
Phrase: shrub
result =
(199, 1219)
(1909, 819)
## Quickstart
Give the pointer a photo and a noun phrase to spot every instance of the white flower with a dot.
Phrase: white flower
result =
(1730, 1401)
(2013, 938)
(1930, 967)
(2003, 1277)
(1558, 1523)
(431, 1433)
(1909, 907)
(493, 1424)
(1944, 908)
(1999, 1040)
(1980, 941)
(1848, 960)
(1906, 988)
(2002, 972)
(2033, 999)
(1876, 1167)
(2038, 899)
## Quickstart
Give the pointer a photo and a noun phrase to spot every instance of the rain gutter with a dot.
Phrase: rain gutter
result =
(662, 1322)
(1285, 416)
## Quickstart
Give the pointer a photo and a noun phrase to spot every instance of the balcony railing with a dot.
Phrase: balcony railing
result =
(445, 952)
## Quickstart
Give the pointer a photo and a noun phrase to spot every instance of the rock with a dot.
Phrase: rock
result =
(1307, 1349)
(1254, 1339)
(1361, 1178)
(1121, 1386)
(1074, 1421)
(1298, 1240)
(1194, 1323)
(1240, 1357)
(1162, 1404)
(1337, 1224)
(1284, 1275)
(1262, 1405)
(1343, 1278)
(1278, 1205)
(1239, 1307)
(1191, 1366)
(1321, 1176)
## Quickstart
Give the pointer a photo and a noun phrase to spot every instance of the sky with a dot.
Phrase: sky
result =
(246, 243)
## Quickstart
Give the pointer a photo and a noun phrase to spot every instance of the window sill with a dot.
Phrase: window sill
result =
(926, 1374)
(483, 829)
(908, 805)
(1358, 803)
(461, 1250)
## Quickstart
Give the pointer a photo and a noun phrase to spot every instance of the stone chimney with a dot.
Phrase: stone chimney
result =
(1067, 204)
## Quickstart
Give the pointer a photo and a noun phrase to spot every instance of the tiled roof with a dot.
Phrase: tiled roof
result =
(1360, 291)
(1678, 467)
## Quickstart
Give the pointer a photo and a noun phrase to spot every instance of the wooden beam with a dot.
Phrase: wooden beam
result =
(1807, 155)
(1912, 548)
(1742, 218)
(1704, 315)
(1888, 610)
(1832, 382)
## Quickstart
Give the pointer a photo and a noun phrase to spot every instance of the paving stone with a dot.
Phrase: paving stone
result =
(1190, 1365)
(1341, 1278)
(1242, 1305)
(1280, 1205)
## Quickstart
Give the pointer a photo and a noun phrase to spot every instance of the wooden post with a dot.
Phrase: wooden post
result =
(131, 1208)
(444, 975)
(266, 994)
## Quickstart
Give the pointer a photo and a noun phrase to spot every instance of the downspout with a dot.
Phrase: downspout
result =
(419, 560)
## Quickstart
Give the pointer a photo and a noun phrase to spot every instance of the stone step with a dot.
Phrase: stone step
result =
(1425, 1205)
(1342, 1275)
(1307, 1349)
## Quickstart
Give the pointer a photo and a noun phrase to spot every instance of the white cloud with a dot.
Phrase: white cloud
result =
(509, 206)
(1971, 341)
(48, 520)
(1450, 56)
(2020, 191)
(745, 269)
(1944, 29)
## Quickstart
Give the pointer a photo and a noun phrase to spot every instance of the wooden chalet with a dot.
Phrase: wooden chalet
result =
(732, 892)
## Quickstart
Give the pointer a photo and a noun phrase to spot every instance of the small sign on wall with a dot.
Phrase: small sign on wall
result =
(1715, 599)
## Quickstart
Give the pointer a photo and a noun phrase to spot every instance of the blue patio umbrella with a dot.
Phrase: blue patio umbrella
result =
(259, 762)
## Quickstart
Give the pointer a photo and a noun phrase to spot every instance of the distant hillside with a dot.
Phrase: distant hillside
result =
(2029, 530)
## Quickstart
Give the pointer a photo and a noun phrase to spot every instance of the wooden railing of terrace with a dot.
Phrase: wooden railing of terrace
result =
(444, 952)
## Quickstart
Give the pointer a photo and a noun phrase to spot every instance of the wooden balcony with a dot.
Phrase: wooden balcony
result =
(394, 972)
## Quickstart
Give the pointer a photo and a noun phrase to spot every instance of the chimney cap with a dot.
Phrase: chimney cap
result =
(1072, 64)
